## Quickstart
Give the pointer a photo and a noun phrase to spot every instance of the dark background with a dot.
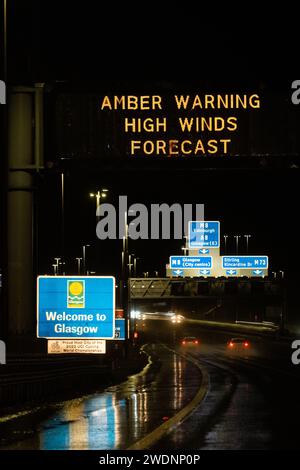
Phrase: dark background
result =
(79, 51)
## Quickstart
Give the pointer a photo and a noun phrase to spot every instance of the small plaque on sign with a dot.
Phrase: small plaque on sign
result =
(76, 346)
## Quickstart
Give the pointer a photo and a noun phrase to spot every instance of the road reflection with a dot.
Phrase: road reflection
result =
(115, 418)
(123, 413)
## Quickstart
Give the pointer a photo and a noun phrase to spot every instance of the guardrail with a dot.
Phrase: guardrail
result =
(263, 324)
(30, 377)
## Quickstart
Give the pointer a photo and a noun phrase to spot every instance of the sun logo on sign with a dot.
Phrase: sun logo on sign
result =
(76, 294)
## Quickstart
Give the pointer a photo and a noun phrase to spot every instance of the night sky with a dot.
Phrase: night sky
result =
(76, 49)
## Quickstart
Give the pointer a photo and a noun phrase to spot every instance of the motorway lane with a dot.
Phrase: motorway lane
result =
(252, 403)
(115, 418)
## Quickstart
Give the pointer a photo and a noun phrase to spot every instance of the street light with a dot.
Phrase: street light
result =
(185, 249)
(63, 215)
(98, 195)
(129, 269)
(130, 264)
(62, 263)
(55, 266)
(78, 264)
(225, 239)
(282, 274)
(247, 241)
(125, 247)
(134, 266)
(57, 263)
(84, 258)
(237, 242)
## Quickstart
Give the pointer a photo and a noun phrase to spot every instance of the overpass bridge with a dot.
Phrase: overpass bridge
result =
(169, 288)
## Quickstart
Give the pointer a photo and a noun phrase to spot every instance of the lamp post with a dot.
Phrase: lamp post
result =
(134, 266)
(282, 274)
(101, 193)
(247, 242)
(129, 269)
(62, 264)
(98, 195)
(237, 242)
(84, 258)
(130, 264)
(63, 215)
(78, 265)
(225, 243)
(57, 264)
(5, 40)
(184, 249)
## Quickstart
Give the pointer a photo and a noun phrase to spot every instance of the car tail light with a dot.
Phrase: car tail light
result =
(246, 344)
(231, 344)
(183, 342)
(196, 342)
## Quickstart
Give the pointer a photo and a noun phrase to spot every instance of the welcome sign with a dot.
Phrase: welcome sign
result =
(76, 307)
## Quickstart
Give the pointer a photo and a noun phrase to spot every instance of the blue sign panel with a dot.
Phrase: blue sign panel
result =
(245, 262)
(204, 234)
(76, 307)
(190, 262)
(120, 328)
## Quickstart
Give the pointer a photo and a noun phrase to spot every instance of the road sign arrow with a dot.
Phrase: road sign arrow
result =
(258, 272)
(178, 272)
(231, 272)
(205, 271)
(204, 251)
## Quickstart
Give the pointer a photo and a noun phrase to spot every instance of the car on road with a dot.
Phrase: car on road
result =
(189, 341)
(177, 318)
(239, 344)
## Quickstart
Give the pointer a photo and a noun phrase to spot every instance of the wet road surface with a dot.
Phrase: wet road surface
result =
(119, 416)
(250, 404)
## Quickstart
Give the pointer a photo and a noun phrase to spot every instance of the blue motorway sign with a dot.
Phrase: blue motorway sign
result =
(204, 234)
(120, 328)
(190, 262)
(76, 307)
(245, 262)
